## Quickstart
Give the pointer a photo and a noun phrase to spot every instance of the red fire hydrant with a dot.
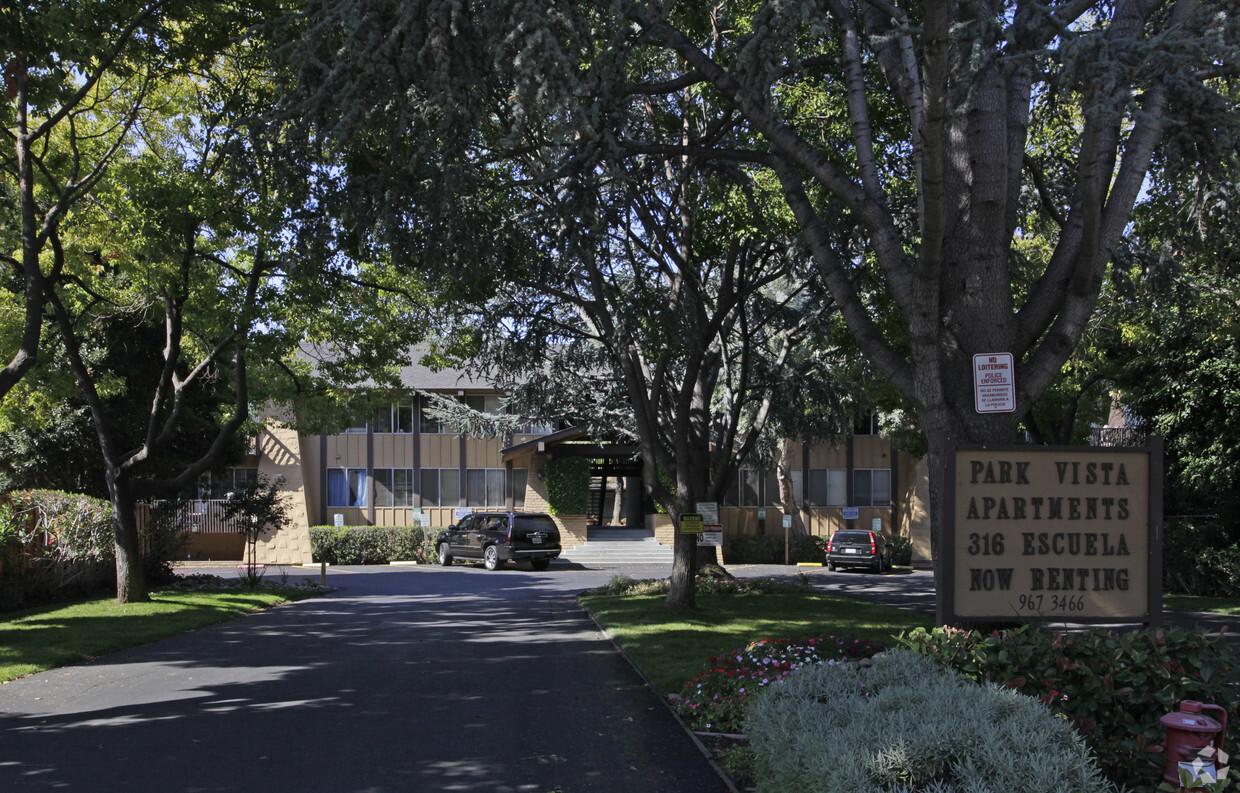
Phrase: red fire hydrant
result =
(1189, 732)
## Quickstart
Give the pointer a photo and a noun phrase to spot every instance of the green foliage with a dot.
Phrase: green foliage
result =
(568, 485)
(902, 553)
(60, 545)
(707, 585)
(714, 700)
(78, 527)
(904, 724)
(368, 544)
(1112, 687)
(255, 508)
(163, 537)
(769, 549)
(1200, 557)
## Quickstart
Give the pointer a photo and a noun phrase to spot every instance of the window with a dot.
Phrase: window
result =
(520, 479)
(346, 487)
(536, 428)
(771, 483)
(828, 487)
(393, 487)
(872, 487)
(485, 403)
(866, 424)
(441, 487)
(396, 417)
(429, 425)
(360, 424)
(484, 487)
(750, 481)
(218, 484)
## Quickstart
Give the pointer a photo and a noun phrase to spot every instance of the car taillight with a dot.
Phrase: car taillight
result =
(829, 541)
(509, 539)
(873, 545)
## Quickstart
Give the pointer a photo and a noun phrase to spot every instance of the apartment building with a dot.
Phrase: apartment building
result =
(401, 466)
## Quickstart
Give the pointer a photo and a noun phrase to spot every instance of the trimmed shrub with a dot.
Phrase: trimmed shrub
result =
(769, 549)
(368, 544)
(905, 724)
(1112, 686)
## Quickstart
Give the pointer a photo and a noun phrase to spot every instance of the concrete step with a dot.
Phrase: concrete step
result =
(620, 546)
(609, 534)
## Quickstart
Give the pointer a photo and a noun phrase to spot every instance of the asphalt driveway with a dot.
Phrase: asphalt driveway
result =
(422, 679)
(403, 679)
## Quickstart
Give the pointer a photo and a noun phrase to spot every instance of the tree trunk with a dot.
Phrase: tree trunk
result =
(786, 496)
(691, 482)
(617, 507)
(634, 512)
(682, 592)
(130, 580)
(946, 428)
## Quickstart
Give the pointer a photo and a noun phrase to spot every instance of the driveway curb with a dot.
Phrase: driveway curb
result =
(706, 753)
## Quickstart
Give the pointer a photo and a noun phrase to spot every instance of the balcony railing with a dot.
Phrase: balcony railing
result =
(200, 516)
(1118, 436)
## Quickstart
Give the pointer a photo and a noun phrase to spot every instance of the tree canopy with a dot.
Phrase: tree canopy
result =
(919, 146)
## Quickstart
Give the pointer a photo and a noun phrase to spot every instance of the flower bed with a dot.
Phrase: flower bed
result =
(714, 700)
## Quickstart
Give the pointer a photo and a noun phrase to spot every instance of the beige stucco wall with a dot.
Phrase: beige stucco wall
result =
(280, 456)
(915, 512)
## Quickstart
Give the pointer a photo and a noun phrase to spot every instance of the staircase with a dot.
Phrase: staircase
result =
(609, 546)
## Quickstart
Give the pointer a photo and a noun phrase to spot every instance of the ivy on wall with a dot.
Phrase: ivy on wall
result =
(568, 485)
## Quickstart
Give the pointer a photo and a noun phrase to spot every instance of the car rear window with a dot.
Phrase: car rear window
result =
(852, 536)
(535, 524)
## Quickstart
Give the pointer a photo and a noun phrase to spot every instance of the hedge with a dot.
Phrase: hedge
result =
(769, 549)
(369, 544)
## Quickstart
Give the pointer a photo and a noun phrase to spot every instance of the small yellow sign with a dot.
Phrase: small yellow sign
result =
(692, 523)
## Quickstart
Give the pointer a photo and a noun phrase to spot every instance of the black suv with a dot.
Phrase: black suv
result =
(859, 549)
(496, 537)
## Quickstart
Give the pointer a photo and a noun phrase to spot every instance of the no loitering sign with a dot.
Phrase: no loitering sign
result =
(994, 382)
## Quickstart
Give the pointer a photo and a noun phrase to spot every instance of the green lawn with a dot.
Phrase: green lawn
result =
(1230, 606)
(670, 647)
(41, 638)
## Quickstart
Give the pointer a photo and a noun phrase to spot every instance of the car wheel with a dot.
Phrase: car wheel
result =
(540, 564)
(490, 558)
(445, 558)
(877, 566)
(830, 567)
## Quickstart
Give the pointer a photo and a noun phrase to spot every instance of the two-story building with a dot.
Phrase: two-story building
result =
(404, 467)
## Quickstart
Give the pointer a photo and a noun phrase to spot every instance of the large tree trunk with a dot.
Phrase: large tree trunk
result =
(130, 579)
(691, 484)
(634, 513)
(787, 498)
(682, 593)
